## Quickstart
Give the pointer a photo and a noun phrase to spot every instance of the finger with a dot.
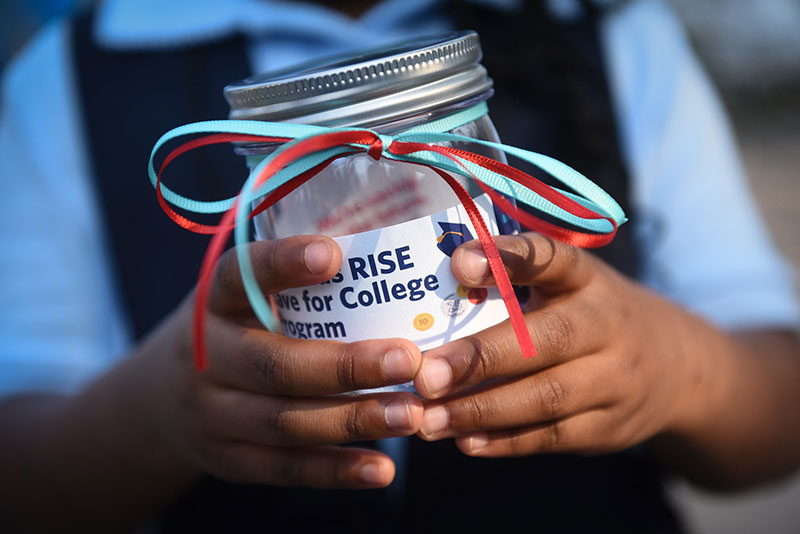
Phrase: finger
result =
(561, 332)
(548, 395)
(292, 262)
(323, 467)
(264, 362)
(530, 259)
(584, 433)
(292, 422)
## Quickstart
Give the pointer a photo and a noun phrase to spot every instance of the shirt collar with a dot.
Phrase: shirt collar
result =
(147, 24)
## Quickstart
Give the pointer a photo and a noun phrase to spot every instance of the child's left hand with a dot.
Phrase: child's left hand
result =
(615, 363)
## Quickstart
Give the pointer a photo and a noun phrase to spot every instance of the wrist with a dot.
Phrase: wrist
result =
(700, 351)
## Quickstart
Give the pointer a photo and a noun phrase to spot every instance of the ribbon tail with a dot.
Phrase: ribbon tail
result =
(495, 264)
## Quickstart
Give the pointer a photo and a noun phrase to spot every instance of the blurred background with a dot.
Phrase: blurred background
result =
(752, 52)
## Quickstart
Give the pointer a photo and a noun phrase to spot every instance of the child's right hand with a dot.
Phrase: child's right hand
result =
(266, 410)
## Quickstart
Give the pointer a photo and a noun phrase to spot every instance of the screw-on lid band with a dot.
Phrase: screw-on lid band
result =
(368, 88)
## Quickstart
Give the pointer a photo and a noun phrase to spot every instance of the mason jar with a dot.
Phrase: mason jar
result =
(388, 90)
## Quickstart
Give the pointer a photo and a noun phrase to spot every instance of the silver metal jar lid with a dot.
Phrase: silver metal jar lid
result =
(372, 87)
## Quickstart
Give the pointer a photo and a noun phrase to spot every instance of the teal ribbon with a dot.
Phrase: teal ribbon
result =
(585, 193)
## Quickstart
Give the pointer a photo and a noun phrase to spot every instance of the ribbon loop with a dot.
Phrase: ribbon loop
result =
(307, 150)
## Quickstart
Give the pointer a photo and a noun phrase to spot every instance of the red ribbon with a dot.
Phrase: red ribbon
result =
(371, 143)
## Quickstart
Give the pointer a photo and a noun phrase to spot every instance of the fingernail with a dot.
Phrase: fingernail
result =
(435, 420)
(398, 415)
(372, 474)
(474, 265)
(397, 364)
(317, 256)
(436, 376)
(478, 442)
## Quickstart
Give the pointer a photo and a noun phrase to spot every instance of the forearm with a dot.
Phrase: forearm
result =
(740, 424)
(92, 460)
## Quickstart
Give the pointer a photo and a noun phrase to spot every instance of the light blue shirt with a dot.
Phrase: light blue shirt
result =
(61, 322)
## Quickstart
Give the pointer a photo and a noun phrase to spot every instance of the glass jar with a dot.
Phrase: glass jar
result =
(388, 90)
(396, 222)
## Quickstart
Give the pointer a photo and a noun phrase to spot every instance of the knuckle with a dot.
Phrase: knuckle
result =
(517, 253)
(557, 333)
(346, 368)
(354, 423)
(480, 412)
(271, 366)
(552, 397)
(553, 437)
(278, 423)
(480, 360)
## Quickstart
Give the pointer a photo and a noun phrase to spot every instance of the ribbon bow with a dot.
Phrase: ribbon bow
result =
(305, 150)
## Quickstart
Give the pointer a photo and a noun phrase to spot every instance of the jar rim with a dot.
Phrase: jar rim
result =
(369, 87)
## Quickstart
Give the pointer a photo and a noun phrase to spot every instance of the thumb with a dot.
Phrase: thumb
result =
(292, 262)
(530, 259)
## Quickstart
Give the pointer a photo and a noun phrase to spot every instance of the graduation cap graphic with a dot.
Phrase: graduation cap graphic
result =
(453, 234)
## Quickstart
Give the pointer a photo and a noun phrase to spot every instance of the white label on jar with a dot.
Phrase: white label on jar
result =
(396, 282)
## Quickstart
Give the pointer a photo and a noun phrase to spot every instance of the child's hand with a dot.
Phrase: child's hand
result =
(265, 410)
(611, 371)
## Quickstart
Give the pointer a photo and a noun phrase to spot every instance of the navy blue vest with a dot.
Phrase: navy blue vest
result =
(551, 96)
